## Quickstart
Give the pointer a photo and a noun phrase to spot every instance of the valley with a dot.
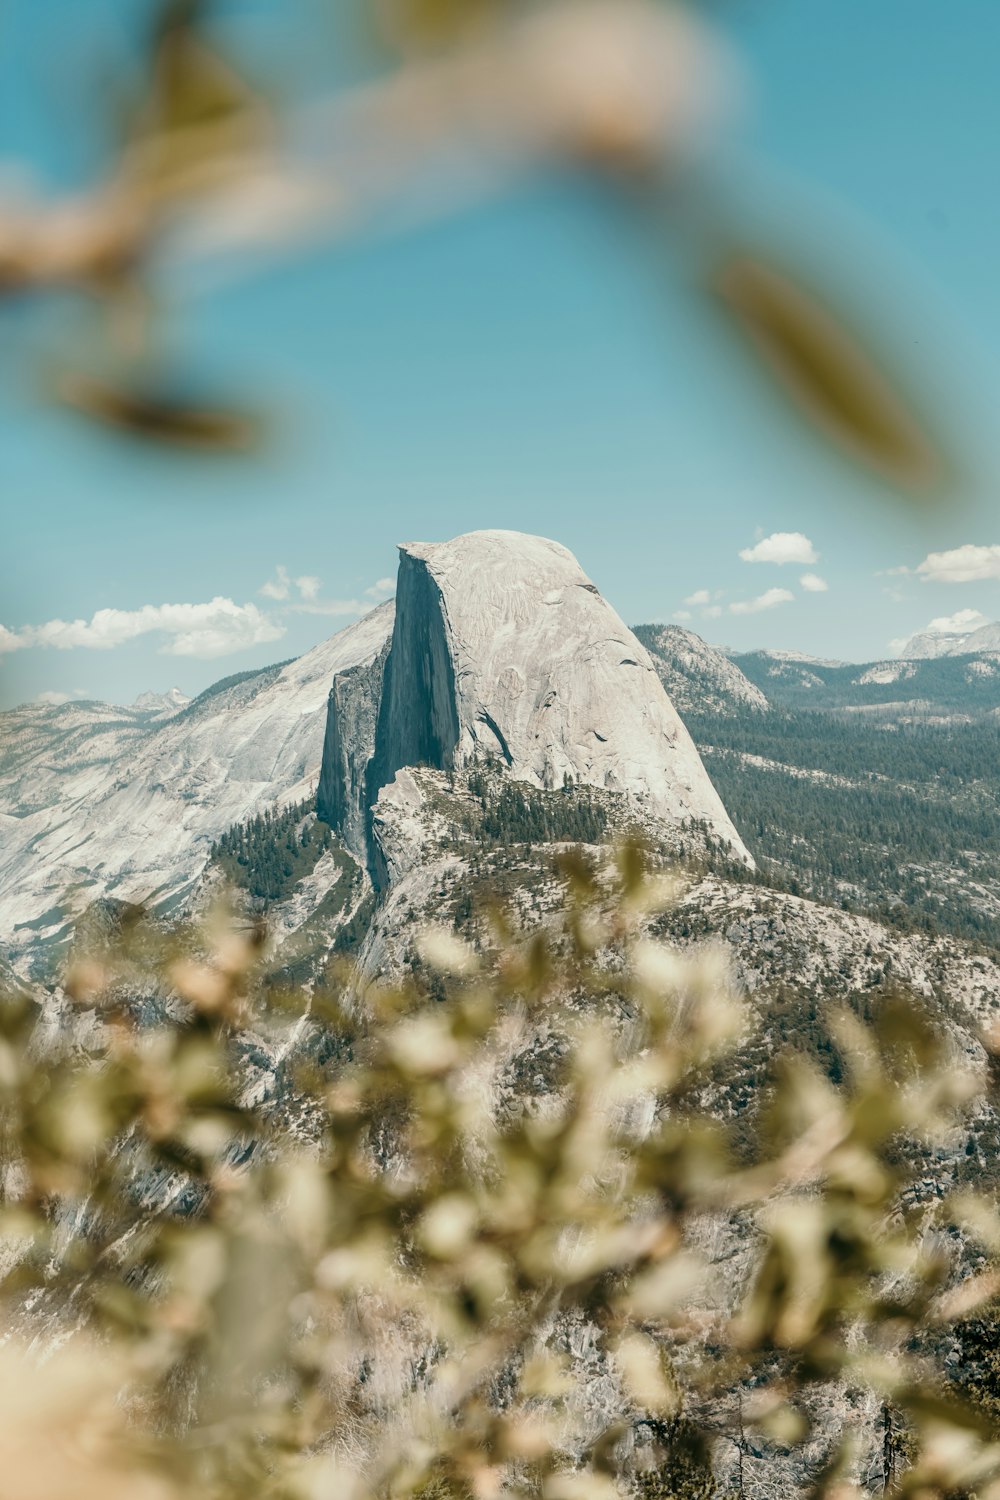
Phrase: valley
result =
(448, 763)
(842, 789)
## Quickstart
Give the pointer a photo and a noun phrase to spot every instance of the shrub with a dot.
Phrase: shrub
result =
(375, 1274)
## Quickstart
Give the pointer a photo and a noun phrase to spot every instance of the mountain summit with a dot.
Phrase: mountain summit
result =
(503, 648)
(933, 644)
(161, 705)
(500, 649)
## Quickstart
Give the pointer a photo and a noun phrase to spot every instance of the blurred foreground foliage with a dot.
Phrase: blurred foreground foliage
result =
(351, 1243)
(624, 90)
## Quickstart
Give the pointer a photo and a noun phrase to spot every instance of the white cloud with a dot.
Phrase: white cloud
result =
(782, 547)
(962, 622)
(10, 641)
(217, 628)
(813, 584)
(966, 564)
(52, 698)
(768, 600)
(278, 587)
(682, 614)
(700, 596)
(311, 604)
(220, 629)
(712, 612)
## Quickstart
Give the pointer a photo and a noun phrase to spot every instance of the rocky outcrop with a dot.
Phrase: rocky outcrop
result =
(418, 721)
(499, 646)
(502, 647)
(161, 706)
(98, 801)
(933, 644)
(352, 718)
(698, 678)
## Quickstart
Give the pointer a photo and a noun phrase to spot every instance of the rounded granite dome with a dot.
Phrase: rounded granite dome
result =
(503, 646)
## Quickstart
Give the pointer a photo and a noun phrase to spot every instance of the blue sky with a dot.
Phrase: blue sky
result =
(531, 362)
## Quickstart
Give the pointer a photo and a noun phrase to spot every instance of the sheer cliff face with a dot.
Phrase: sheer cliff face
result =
(502, 646)
(418, 720)
(352, 718)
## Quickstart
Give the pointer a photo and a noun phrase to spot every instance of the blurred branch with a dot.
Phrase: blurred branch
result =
(625, 87)
(408, 1260)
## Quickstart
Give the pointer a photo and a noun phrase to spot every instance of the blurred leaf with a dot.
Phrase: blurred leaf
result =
(829, 373)
(199, 118)
(390, 1250)
(161, 418)
(423, 23)
(190, 83)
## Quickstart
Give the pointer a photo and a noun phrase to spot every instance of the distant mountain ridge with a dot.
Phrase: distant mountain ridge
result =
(162, 705)
(502, 652)
(101, 801)
(897, 689)
(930, 644)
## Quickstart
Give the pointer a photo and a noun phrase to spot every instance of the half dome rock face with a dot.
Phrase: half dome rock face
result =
(503, 647)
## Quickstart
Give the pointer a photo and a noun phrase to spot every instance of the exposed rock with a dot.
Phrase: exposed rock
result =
(97, 801)
(986, 638)
(932, 644)
(403, 826)
(352, 718)
(161, 705)
(801, 658)
(883, 672)
(928, 645)
(698, 677)
(502, 647)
